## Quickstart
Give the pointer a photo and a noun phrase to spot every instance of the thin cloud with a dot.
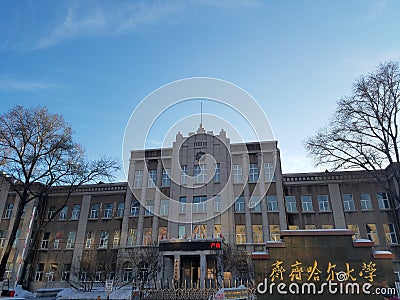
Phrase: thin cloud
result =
(376, 11)
(11, 84)
(96, 20)
(85, 19)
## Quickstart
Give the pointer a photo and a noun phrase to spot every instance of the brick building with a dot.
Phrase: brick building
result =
(190, 200)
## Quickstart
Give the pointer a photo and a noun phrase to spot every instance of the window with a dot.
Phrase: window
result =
(76, 210)
(269, 172)
(372, 233)
(162, 233)
(50, 212)
(66, 272)
(310, 227)
(149, 207)
(257, 234)
(200, 173)
(217, 175)
(164, 207)
(184, 175)
(182, 204)
(199, 204)
(71, 239)
(108, 208)
(217, 231)
(323, 203)
(103, 239)
(199, 231)
(57, 239)
(217, 203)
(253, 173)
(327, 226)
(89, 240)
(64, 213)
(348, 202)
(239, 204)
(23, 212)
(365, 201)
(166, 179)
(17, 236)
(291, 205)
(240, 234)
(2, 238)
(147, 239)
(127, 276)
(390, 233)
(39, 272)
(383, 201)
(97, 276)
(152, 180)
(45, 240)
(120, 209)
(135, 206)
(237, 174)
(137, 183)
(293, 227)
(94, 211)
(254, 203)
(272, 203)
(117, 238)
(274, 232)
(131, 239)
(83, 276)
(356, 230)
(306, 203)
(52, 270)
(9, 268)
(181, 232)
(9, 210)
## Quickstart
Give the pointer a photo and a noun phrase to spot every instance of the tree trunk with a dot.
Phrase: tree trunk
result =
(36, 230)
(28, 260)
(17, 221)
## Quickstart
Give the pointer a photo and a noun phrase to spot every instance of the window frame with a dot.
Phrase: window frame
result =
(238, 173)
(323, 202)
(291, 204)
(348, 204)
(306, 204)
(76, 212)
(366, 204)
(272, 203)
(253, 173)
(166, 178)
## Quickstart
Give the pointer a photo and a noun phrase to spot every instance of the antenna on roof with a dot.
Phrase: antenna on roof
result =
(201, 113)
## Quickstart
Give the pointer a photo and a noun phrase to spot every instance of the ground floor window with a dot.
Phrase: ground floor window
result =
(39, 272)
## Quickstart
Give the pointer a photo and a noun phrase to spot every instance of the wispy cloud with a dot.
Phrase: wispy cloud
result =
(8, 83)
(377, 9)
(86, 19)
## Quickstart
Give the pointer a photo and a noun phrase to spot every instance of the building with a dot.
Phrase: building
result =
(189, 202)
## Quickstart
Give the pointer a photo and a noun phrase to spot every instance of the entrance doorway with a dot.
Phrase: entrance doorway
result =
(190, 271)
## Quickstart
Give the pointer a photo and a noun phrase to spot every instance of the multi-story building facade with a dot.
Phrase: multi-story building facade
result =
(188, 201)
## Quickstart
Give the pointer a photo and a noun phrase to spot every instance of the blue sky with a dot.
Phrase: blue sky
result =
(94, 61)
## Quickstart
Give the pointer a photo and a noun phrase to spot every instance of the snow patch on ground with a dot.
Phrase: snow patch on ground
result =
(19, 292)
(69, 293)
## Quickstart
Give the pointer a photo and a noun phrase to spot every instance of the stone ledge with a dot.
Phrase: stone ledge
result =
(383, 254)
(317, 232)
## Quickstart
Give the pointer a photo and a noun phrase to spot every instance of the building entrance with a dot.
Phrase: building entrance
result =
(190, 271)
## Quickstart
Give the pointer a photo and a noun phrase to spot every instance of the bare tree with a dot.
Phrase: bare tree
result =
(145, 262)
(97, 267)
(37, 152)
(238, 263)
(363, 132)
